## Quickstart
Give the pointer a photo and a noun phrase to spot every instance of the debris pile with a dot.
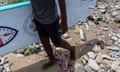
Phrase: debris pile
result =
(4, 65)
(101, 46)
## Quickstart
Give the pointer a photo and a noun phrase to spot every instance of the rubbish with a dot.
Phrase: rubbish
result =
(115, 54)
(82, 35)
(87, 26)
(88, 68)
(19, 55)
(91, 55)
(115, 65)
(101, 69)
(93, 64)
(112, 47)
(7, 68)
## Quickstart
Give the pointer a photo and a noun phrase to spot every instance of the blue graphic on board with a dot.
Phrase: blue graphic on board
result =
(29, 26)
(7, 34)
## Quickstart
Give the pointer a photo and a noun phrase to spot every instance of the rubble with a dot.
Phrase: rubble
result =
(4, 65)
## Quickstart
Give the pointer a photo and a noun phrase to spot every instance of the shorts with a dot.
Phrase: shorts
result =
(49, 30)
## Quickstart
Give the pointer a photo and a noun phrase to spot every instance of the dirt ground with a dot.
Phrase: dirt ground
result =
(34, 62)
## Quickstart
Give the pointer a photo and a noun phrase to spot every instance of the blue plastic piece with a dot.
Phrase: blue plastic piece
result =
(13, 6)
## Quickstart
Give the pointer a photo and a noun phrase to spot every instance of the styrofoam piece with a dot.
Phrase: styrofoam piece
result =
(92, 63)
(112, 47)
(19, 55)
(91, 55)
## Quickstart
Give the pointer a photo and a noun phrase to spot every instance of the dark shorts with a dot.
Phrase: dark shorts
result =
(49, 30)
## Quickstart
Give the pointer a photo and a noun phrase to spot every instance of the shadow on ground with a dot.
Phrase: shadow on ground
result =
(37, 67)
(80, 50)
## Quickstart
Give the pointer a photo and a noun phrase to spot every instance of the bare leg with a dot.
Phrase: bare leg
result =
(48, 48)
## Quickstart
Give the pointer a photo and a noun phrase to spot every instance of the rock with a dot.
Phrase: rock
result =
(84, 62)
(103, 10)
(101, 70)
(117, 19)
(99, 58)
(1, 68)
(3, 2)
(86, 57)
(115, 65)
(88, 68)
(96, 48)
(114, 38)
(115, 13)
(118, 35)
(101, 6)
(107, 64)
(78, 67)
(7, 67)
(105, 28)
(92, 63)
(19, 55)
(91, 55)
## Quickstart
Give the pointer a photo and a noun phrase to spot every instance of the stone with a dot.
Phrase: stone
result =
(84, 62)
(86, 57)
(115, 65)
(3, 2)
(78, 68)
(96, 48)
(114, 38)
(19, 55)
(115, 13)
(105, 28)
(7, 67)
(1, 68)
(99, 58)
(107, 64)
(88, 68)
(117, 19)
(92, 63)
